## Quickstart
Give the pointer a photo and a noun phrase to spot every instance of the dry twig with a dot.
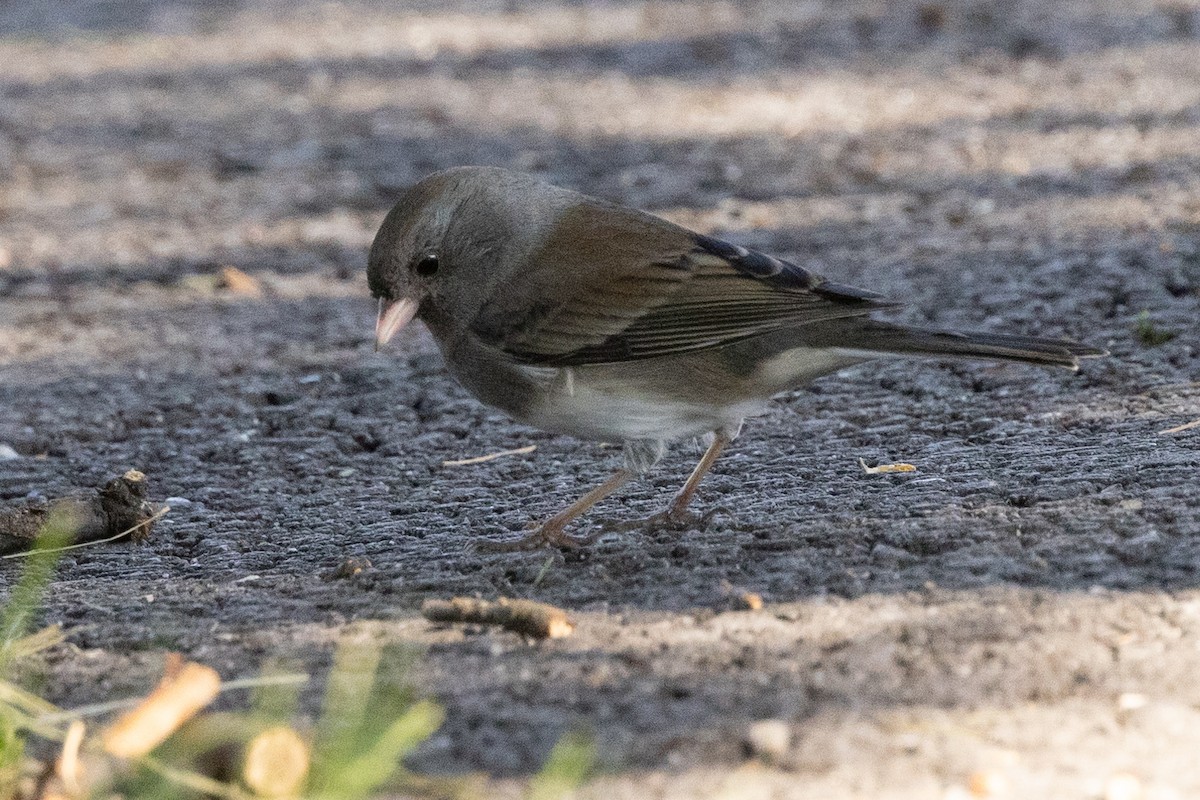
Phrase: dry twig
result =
(1187, 426)
(462, 462)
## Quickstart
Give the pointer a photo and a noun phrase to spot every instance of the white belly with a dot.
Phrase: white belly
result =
(583, 403)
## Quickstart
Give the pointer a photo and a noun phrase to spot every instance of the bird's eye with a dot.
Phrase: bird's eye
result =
(428, 265)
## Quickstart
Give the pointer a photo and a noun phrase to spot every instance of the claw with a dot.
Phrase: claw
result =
(681, 520)
(668, 520)
(545, 536)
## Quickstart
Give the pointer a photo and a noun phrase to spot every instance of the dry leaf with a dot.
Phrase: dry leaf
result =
(884, 469)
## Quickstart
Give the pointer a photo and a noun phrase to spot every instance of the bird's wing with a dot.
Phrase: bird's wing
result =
(640, 287)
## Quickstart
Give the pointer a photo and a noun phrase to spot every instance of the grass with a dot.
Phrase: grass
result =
(370, 720)
(1148, 332)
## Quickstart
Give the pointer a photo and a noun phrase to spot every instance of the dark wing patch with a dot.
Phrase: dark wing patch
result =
(781, 274)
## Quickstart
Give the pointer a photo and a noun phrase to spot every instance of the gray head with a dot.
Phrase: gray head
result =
(450, 239)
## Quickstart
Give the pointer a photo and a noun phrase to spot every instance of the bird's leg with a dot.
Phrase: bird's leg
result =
(552, 532)
(676, 514)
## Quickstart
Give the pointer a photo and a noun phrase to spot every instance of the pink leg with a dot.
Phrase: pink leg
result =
(677, 512)
(552, 532)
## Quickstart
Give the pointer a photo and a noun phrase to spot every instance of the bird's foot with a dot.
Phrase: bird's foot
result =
(546, 535)
(669, 519)
(680, 519)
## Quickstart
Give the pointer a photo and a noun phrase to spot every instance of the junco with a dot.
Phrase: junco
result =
(580, 316)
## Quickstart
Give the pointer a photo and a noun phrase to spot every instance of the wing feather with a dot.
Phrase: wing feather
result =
(644, 288)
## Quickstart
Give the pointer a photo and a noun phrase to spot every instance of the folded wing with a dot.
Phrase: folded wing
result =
(651, 289)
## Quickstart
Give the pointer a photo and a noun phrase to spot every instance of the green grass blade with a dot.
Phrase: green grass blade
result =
(568, 766)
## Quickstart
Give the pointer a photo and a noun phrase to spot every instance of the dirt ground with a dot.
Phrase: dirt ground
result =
(1019, 618)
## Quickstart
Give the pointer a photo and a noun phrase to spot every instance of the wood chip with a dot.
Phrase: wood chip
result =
(277, 762)
(238, 282)
(740, 599)
(462, 462)
(987, 783)
(884, 469)
(526, 617)
(352, 566)
(1185, 427)
(750, 601)
(183, 691)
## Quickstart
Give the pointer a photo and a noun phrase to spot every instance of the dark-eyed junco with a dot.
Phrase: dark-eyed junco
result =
(581, 316)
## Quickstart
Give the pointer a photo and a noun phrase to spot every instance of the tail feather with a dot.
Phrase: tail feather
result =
(882, 337)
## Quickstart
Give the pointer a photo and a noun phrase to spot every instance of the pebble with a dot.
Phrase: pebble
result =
(1132, 701)
(769, 739)
(7, 453)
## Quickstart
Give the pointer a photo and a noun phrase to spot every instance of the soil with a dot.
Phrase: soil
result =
(1020, 617)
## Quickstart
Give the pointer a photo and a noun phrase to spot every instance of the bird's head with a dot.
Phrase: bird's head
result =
(447, 243)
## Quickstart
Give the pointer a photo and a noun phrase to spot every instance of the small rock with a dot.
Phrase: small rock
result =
(1132, 701)
(177, 502)
(7, 453)
(1143, 544)
(313, 378)
(896, 555)
(768, 739)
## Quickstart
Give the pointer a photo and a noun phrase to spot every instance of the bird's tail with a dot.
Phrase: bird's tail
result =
(882, 337)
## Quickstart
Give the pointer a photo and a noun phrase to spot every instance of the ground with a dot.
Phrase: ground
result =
(1020, 617)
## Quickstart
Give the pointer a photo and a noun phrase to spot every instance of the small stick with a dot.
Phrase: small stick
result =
(1187, 426)
(462, 462)
(526, 617)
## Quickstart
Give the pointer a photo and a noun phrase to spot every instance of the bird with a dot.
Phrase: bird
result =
(581, 316)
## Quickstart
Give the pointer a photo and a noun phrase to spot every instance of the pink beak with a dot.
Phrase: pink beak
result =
(392, 317)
